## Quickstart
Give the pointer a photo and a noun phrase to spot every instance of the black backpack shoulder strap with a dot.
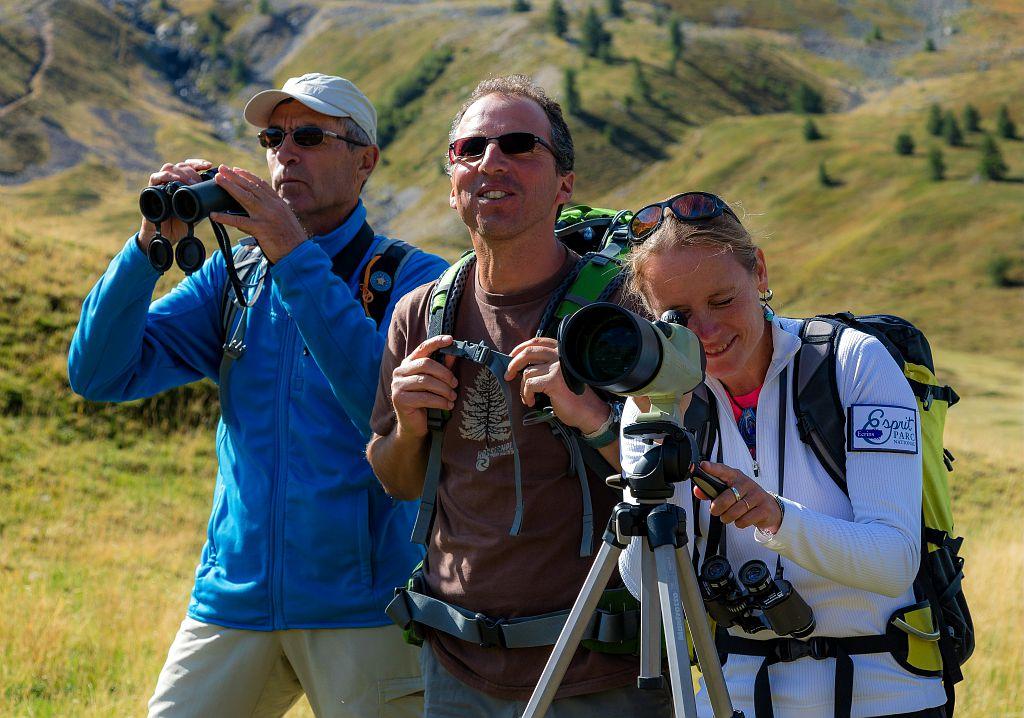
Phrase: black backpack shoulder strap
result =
(380, 274)
(345, 262)
(816, 403)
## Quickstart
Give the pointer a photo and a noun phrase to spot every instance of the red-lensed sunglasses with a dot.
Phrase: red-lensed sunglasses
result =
(512, 143)
(687, 207)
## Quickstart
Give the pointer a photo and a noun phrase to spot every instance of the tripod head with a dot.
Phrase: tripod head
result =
(672, 458)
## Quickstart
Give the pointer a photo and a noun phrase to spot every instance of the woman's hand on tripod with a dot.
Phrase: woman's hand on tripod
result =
(744, 503)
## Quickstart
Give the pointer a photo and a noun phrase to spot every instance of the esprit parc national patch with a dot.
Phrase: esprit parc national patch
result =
(875, 427)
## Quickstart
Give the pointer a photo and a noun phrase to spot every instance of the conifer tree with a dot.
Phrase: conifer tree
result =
(972, 119)
(936, 165)
(676, 40)
(595, 40)
(1005, 127)
(992, 165)
(951, 131)
(558, 19)
(935, 120)
(811, 132)
(615, 8)
(823, 176)
(904, 144)
(640, 80)
(572, 95)
(520, 6)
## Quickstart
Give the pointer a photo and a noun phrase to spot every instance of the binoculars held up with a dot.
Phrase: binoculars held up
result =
(190, 204)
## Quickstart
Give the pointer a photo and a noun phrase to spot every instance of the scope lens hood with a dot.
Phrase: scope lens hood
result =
(607, 346)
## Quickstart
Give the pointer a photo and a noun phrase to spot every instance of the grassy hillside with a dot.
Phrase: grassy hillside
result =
(102, 508)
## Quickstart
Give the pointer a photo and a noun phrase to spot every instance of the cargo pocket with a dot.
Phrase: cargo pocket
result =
(393, 692)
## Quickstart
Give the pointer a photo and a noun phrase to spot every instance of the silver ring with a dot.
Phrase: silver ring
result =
(736, 493)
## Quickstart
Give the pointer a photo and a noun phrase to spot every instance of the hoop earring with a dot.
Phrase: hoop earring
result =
(766, 296)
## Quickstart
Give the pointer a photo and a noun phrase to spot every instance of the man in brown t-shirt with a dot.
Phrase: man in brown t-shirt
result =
(508, 182)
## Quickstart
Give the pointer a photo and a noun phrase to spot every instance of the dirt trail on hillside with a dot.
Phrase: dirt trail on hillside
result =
(36, 83)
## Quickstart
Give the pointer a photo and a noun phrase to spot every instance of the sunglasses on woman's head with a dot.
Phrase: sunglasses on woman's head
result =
(687, 207)
(511, 143)
(305, 136)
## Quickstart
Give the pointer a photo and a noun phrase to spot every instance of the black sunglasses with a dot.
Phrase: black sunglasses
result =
(688, 207)
(512, 143)
(305, 136)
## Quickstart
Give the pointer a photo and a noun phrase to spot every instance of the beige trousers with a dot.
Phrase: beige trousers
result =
(217, 672)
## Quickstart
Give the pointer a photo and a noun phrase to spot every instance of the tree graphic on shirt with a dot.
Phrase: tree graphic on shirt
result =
(484, 413)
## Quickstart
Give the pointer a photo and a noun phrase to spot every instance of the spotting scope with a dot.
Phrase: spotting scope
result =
(609, 347)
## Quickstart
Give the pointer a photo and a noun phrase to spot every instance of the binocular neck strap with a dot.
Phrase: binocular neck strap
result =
(497, 363)
(577, 465)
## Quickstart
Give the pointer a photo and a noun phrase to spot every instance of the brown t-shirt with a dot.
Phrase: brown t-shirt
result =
(472, 561)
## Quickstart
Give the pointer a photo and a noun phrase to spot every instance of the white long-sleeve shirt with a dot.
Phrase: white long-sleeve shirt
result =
(852, 558)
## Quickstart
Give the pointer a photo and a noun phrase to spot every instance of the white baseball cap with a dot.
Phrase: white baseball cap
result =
(327, 94)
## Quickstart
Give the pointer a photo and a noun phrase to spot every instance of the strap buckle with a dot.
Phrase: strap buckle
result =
(790, 649)
(490, 631)
(435, 419)
(234, 348)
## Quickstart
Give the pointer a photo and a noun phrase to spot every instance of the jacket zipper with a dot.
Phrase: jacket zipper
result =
(281, 475)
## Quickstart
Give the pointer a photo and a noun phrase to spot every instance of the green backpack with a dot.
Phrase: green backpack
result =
(938, 629)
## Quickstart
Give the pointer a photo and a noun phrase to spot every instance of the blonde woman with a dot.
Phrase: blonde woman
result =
(851, 558)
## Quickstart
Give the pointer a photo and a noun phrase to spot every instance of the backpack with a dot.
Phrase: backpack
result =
(942, 613)
(934, 636)
(375, 287)
(599, 235)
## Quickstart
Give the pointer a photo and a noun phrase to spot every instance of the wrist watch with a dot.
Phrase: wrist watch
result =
(608, 431)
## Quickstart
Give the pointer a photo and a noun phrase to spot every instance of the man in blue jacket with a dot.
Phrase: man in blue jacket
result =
(303, 548)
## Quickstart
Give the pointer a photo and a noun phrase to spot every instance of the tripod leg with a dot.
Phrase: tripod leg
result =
(672, 609)
(703, 641)
(572, 633)
(650, 620)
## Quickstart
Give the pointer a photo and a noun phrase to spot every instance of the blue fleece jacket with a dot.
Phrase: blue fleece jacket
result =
(301, 534)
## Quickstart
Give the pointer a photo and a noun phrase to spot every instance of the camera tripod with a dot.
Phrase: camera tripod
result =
(668, 586)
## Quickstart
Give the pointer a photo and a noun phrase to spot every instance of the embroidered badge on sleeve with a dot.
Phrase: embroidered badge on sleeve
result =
(874, 427)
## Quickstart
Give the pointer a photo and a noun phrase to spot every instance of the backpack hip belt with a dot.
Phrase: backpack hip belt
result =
(410, 609)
